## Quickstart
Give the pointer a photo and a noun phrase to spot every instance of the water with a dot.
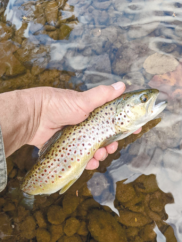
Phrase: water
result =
(78, 45)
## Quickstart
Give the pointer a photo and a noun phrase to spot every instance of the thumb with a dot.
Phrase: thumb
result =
(100, 95)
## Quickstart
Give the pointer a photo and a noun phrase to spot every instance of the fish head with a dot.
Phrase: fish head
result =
(136, 108)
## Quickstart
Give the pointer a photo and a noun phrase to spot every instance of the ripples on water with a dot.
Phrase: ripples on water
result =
(78, 45)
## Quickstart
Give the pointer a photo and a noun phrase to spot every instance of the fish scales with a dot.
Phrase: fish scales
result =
(67, 157)
(72, 151)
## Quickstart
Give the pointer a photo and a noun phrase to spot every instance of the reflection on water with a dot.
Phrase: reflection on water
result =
(78, 45)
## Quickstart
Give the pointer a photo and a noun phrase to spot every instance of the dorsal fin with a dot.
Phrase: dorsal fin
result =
(46, 147)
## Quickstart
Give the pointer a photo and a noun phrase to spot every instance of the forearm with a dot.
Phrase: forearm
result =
(19, 117)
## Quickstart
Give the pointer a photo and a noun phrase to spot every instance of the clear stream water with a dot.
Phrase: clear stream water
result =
(78, 45)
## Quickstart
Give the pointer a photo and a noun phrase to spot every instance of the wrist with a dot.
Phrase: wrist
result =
(19, 117)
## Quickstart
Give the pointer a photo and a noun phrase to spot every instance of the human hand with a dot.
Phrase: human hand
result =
(32, 116)
(66, 107)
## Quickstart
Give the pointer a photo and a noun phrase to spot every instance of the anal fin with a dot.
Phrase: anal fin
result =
(70, 183)
(65, 188)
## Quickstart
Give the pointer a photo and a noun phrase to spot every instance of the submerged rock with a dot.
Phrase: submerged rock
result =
(43, 235)
(160, 64)
(56, 232)
(6, 32)
(74, 238)
(97, 184)
(55, 214)
(51, 12)
(70, 203)
(104, 227)
(71, 227)
(124, 192)
(40, 219)
(133, 219)
(27, 228)
(5, 227)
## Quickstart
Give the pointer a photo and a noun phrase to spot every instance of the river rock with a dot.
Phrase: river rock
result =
(74, 238)
(124, 192)
(97, 184)
(10, 66)
(71, 227)
(100, 222)
(146, 184)
(51, 12)
(133, 219)
(160, 64)
(70, 203)
(64, 31)
(5, 227)
(40, 219)
(6, 32)
(55, 214)
(56, 232)
(83, 230)
(42, 235)
(27, 228)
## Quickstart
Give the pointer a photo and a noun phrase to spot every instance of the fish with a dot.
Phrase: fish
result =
(64, 157)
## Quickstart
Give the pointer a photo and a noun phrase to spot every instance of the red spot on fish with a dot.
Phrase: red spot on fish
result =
(52, 181)
(51, 164)
(68, 153)
(49, 167)
(54, 159)
(52, 176)
(63, 148)
(75, 152)
(71, 158)
(88, 153)
(62, 169)
(69, 166)
(65, 160)
(42, 174)
(58, 146)
(61, 155)
(55, 171)
(69, 145)
(45, 180)
(45, 170)
(59, 176)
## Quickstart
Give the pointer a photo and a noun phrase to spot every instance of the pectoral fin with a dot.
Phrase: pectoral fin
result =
(47, 146)
(65, 188)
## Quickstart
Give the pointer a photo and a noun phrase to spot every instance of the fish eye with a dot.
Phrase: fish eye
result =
(144, 98)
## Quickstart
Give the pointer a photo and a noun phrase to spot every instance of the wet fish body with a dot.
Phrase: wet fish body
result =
(65, 156)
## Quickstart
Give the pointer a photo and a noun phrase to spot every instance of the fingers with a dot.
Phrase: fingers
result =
(138, 131)
(102, 153)
(98, 96)
(92, 164)
(112, 147)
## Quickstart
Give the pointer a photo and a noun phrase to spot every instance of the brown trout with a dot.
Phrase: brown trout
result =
(65, 156)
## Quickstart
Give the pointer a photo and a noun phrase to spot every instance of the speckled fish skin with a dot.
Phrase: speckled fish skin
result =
(68, 156)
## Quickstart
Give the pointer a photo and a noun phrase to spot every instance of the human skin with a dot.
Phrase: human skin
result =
(32, 116)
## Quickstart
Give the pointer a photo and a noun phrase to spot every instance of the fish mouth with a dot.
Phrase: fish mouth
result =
(156, 108)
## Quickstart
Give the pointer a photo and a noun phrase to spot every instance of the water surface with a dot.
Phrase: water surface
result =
(79, 45)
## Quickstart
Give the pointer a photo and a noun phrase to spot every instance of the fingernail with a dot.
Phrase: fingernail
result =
(104, 157)
(118, 85)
